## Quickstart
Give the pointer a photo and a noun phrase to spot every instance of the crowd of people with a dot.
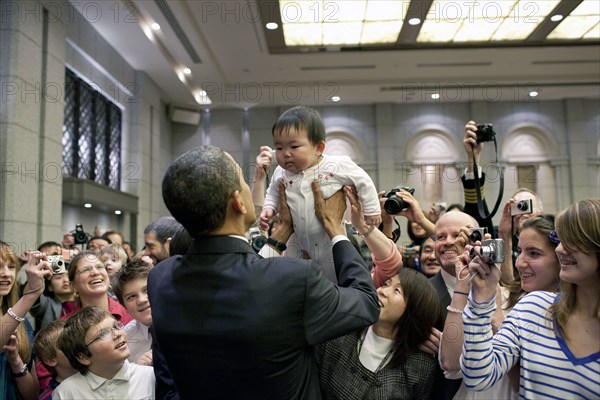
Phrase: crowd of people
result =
(320, 310)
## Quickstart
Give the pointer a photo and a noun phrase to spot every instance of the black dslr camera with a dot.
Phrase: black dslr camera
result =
(485, 133)
(79, 234)
(393, 205)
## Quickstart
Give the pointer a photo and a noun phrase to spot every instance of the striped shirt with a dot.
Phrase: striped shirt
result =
(529, 336)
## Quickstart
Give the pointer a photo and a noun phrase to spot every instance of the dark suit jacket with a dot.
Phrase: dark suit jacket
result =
(442, 291)
(230, 324)
(443, 389)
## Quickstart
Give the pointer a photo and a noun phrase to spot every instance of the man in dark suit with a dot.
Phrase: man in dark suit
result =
(451, 236)
(230, 324)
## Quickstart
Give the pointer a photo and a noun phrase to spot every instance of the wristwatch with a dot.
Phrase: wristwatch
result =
(278, 245)
(24, 371)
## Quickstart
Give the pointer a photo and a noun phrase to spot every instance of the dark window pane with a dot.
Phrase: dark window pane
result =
(91, 134)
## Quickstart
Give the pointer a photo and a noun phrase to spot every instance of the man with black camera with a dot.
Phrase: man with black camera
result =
(523, 204)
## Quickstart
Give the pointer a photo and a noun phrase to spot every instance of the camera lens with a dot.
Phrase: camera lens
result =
(394, 205)
(475, 236)
(522, 205)
(57, 266)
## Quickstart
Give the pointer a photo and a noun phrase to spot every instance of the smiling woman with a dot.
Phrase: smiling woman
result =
(91, 283)
(560, 358)
(381, 361)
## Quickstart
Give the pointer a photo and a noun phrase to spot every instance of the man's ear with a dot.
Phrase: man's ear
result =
(237, 202)
(83, 359)
(167, 244)
(320, 147)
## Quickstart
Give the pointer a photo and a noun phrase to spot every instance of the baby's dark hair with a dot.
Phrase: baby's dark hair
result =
(301, 117)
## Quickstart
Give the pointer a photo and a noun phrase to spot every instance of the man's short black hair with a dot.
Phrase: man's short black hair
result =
(197, 187)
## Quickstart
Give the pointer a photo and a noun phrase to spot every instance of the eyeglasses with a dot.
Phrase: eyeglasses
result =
(87, 270)
(104, 333)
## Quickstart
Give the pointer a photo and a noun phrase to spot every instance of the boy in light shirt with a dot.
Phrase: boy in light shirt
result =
(96, 345)
(131, 288)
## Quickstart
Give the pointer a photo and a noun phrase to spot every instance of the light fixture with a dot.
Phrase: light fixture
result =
(435, 96)
(88, 205)
(155, 26)
(187, 71)
(414, 21)
(482, 21)
(581, 23)
(306, 23)
(272, 26)
(118, 212)
(335, 99)
(533, 93)
(202, 97)
(556, 18)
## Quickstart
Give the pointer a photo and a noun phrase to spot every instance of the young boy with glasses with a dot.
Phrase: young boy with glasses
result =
(96, 346)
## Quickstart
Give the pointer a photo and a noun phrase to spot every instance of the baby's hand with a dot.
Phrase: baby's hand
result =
(265, 216)
(373, 220)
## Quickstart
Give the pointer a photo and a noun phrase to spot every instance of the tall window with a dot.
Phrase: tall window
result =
(91, 134)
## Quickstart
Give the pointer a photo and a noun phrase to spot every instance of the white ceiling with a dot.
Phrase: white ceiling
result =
(237, 70)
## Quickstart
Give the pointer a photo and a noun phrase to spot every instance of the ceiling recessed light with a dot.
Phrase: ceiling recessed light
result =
(187, 71)
(272, 25)
(88, 205)
(155, 26)
(414, 21)
(435, 96)
(556, 18)
(533, 93)
(335, 99)
(118, 212)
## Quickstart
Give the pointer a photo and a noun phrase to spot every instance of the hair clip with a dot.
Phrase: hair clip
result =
(554, 238)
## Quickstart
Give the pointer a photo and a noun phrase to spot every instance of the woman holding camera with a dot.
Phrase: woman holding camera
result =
(555, 337)
(18, 379)
(57, 299)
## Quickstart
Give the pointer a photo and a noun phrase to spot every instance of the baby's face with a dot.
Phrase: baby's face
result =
(294, 152)
(112, 264)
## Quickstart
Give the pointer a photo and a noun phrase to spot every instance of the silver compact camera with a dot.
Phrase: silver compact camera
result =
(57, 264)
(477, 234)
(521, 207)
(491, 251)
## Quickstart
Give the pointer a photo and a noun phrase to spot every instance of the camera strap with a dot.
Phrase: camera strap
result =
(478, 187)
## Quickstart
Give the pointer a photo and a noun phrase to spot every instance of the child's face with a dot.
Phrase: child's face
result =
(294, 152)
(107, 342)
(135, 298)
(60, 284)
(112, 264)
(63, 366)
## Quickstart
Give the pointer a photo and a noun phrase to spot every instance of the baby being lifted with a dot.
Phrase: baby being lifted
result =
(299, 139)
